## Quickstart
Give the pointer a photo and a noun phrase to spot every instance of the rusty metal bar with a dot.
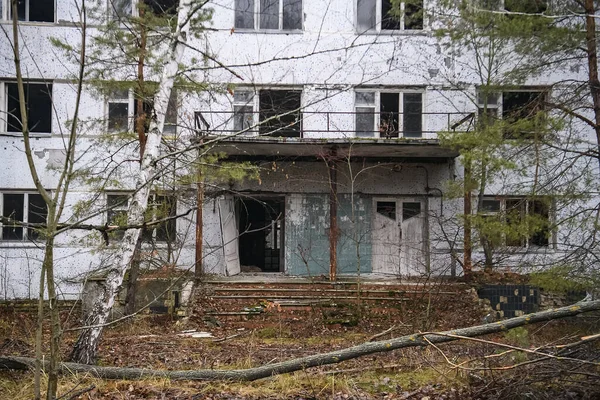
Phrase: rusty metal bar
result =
(333, 227)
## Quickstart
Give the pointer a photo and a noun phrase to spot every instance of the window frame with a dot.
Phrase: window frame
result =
(6, 12)
(123, 207)
(377, 28)
(498, 108)
(4, 111)
(376, 106)
(26, 235)
(169, 128)
(256, 14)
(526, 204)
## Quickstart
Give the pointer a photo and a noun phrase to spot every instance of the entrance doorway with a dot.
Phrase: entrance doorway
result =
(260, 224)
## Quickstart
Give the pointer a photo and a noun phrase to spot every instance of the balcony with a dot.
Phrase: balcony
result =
(307, 134)
(329, 124)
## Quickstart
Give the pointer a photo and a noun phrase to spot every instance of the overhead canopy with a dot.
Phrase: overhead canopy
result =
(273, 147)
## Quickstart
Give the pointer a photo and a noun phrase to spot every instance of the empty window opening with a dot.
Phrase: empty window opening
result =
(162, 7)
(260, 224)
(23, 208)
(401, 112)
(410, 210)
(161, 208)
(38, 100)
(33, 10)
(387, 209)
(280, 113)
(389, 122)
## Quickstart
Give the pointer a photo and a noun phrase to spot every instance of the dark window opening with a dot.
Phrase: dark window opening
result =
(413, 15)
(116, 213)
(34, 10)
(515, 211)
(260, 223)
(162, 7)
(23, 208)
(389, 21)
(38, 100)
(279, 113)
(389, 122)
(36, 214)
(526, 6)
(520, 110)
(413, 118)
(410, 210)
(118, 115)
(161, 208)
(387, 209)
(540, 236)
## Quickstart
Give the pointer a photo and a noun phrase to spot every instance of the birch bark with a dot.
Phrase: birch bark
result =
(85, 349)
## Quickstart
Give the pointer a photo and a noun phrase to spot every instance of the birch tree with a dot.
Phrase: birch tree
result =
(86, 347)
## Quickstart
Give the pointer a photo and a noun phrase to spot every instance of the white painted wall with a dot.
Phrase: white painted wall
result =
(327, 60)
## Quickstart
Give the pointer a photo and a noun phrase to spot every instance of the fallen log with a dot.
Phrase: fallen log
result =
(334, 357)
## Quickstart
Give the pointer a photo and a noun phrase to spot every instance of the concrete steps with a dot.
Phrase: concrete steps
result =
(246, 303)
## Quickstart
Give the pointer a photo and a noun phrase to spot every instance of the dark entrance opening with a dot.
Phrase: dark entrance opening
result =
(261, 234)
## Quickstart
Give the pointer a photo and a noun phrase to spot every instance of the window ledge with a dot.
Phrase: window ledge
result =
(37, 23)
(20, 244)
(395, 32)
(19, 135)
(269, 31)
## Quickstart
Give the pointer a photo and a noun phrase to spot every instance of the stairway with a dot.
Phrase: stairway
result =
(260, 301)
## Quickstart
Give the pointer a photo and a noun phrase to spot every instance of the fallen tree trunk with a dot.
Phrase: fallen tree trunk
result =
(334, 357)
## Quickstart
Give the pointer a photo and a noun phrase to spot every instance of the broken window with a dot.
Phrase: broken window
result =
(33, 10)
(528, 221)
(268, 14)
(521, 109)
(38, 99)
(387, 209)
(161, 208)
(27, 208)
(381, 15)
(279, 113)
(410, 209)
(243, 110)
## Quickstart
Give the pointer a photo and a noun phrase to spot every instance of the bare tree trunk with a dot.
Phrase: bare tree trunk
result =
(134, 271)
(592, 57)
(334, 357)
(86, 347)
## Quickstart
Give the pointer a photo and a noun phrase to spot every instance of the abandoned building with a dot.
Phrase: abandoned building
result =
(338, 103)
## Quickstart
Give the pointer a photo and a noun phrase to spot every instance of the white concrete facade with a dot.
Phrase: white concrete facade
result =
(328, 60)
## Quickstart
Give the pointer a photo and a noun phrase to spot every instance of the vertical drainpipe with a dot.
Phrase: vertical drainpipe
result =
(467, 263)
(333, 228)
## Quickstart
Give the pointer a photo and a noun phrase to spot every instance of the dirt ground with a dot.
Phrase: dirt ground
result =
(458, 370)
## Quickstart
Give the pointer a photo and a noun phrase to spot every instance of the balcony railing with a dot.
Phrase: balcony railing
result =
(331, 124)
